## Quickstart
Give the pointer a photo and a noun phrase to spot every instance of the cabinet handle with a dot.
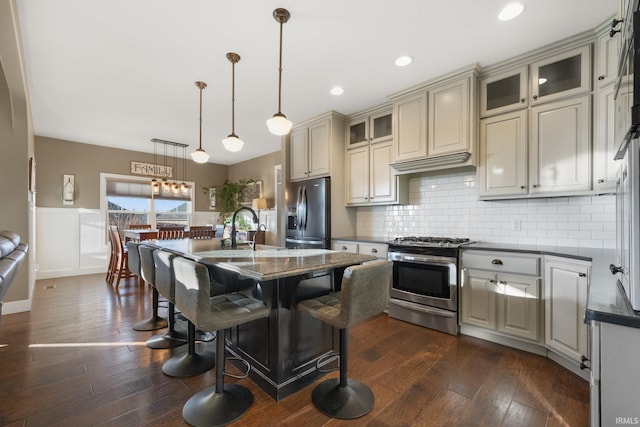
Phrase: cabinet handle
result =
(600, 181)
(600, 77)
(583, 359)
(613, 32)
(343, 248)
(615, 269)
(374, 251)
(535, 97)
(496, 262)
(492, 281)
(501, 282)
(582, 274)
(615, 22)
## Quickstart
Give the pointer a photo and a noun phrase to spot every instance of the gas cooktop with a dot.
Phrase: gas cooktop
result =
(428, 241)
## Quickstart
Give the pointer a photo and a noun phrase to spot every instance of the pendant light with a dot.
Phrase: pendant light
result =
(232, 142)
(184, 187)
(278, 124)
(200, 156)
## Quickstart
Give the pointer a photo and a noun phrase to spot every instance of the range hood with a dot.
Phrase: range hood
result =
(432, 163)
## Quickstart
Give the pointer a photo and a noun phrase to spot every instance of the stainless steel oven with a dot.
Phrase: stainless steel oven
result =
(425, 282)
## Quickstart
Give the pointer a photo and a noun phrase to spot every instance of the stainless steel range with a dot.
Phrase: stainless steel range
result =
(425, 281)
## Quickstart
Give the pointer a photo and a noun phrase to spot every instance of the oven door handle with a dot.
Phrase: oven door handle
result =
(424, 308)
(432, 260)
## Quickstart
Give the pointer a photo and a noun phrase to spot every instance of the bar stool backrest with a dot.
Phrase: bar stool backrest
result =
(133, 257)
(165, 280)
(147, 266)
(365, 292)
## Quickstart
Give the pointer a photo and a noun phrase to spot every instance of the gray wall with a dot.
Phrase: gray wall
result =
(58, 157)
(16, 143)
(260, 168)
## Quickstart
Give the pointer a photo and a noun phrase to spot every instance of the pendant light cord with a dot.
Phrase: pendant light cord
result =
(280, 72)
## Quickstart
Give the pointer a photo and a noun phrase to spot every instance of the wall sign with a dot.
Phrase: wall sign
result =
(149, 169)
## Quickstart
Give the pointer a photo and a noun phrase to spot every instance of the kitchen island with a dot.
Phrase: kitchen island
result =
(282, 349)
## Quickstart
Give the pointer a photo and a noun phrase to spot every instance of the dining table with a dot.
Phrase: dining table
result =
(284, 348)
(139, 235)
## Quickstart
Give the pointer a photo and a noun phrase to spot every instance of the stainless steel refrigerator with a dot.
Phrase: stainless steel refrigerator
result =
(308, 214)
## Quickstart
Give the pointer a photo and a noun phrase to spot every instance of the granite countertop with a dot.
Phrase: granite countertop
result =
(266, 262)
(606, 299)
(365, 239)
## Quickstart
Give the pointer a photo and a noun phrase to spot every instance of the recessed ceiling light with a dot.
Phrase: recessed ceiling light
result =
(403, 61)
(510, 11)
(336, 90)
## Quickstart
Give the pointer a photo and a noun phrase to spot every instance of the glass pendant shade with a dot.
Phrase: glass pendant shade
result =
(184, 188)
(279, 124)
(233, 143)
(200, 156)
(165, 186)
(155, 187)
(175, 188)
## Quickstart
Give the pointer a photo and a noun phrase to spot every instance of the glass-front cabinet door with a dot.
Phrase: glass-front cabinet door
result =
(562, 75)
(358, 132)
(381, 129)
(504, 92)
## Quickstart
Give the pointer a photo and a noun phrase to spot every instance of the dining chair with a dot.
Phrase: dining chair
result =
(201, 232)
(140, 226)
(121, 262)
(169, 233)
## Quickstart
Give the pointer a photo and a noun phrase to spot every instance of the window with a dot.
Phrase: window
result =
(129, 200)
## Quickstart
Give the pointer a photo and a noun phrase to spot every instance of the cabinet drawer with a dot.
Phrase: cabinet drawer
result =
(375, 249)
(345, 247)
(502, 262)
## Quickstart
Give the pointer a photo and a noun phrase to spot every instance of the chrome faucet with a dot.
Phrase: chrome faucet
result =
(234, 244)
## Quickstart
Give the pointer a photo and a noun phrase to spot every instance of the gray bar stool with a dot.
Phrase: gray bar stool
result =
(223, 403)
(148, 272)
(165, 284)
(364, 293)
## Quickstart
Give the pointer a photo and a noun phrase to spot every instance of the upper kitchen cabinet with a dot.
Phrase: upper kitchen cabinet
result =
(369, 178)
(504, 92)
(434, 124)
(311, 146)
(410, 127)
(448, 129)
(562, 75)
(605, 165)
(608, 53)
(373, 128)
(502, 165)
(560, 147)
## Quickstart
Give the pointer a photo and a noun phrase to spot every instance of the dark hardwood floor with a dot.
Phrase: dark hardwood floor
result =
(75, 360)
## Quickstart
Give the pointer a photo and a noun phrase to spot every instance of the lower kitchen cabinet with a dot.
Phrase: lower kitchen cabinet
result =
(358, 247)
(614, 391)
(565, 302)
(497, 297)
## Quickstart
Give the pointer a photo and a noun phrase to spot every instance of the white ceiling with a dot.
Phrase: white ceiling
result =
(120, 72)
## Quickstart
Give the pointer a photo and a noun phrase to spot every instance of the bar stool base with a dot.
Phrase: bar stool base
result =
(352, 401)
(189, 365)
(209, 408)
(151, 324)
(161, 341)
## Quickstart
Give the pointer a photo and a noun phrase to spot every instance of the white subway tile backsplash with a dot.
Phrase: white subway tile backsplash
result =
(447, 205)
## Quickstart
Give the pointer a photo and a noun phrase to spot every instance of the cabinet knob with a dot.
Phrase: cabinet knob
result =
(492, 281)
(522, 187)
(343, 248)
(600, 77)
(582, 274)
(496, 262)
(535, 185)
(615, 22)
(374, 251)
(522, 100)
(600, 181)
(535, 97)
